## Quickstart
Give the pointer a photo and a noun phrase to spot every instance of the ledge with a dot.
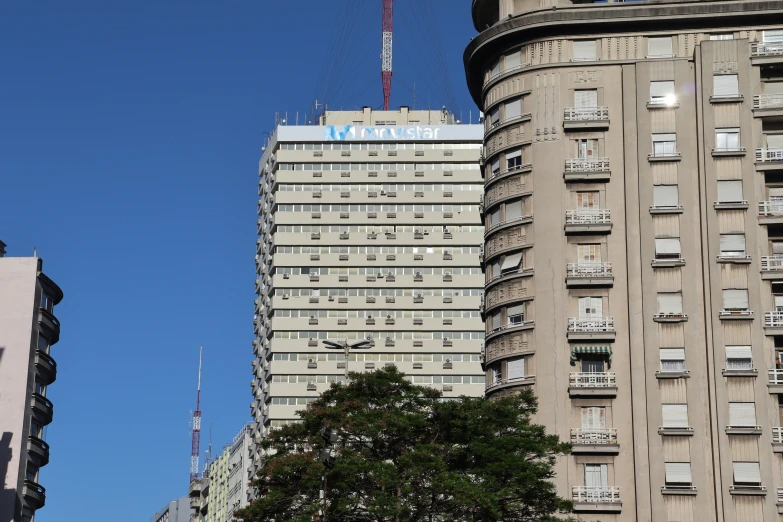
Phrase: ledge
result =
(684, 374)
(770, 220)
(594, 177)
(777, 447)
(740, 373)
(736, 317)
(527, 381)
(771, 275)
(523, 327)
(736, 98)
(739, 205)
(676, 432)
(728, 153)
(602, 228)
(666, 210)
(526, 272)
(588, 336)
(574, 282)
(773, 330)
(749, 430)
(737, 260)
(672, 157)
(667, 263)
(769, 165)
(658, 106)
(670, 319)
(775, 388)
(774, 112)
(598, 507)
(595, 449)
(739, 490)
(579, 391)
(585, 124)
(678, 491)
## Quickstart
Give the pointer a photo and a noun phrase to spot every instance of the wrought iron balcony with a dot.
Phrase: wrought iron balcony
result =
(768, 101)
(766, 49)
(589, 270)
(586, 165)
(769, 155)
(587, 325)
(594, 494)
(771, 263)
(502, 383)
(591, 216)
(592, 380)
(593, 436)
(584, 114)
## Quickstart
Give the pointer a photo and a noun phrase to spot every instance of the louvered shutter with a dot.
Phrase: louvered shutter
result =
(774, 36)
(747, 472)
(585, 99)
(773, 87)
(512, 61)
(667, 246)
(664, 137)
(511, 262)
(513, 209)
(678, 473)
(594, 418)
(585, 50)
(732, 243)
(513, 109)
(725, 85)
(672, 354)
(670, 303)
(496, 165)
(496, 318)
(735, 299)
(494, 217)
(730, 191)
(675, 415)
(518, 310)
(777, 247)
(516, 368)
(513, 154)
(666, 196)
(661, 89)
(661, 46)
(495, 115)
(742, 414)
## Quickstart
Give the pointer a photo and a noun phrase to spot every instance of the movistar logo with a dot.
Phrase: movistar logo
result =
(352, 132)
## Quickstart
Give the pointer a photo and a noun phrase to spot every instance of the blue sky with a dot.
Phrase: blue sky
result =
(130, 134)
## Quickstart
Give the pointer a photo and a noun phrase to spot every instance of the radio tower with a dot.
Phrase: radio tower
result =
(386, 55)
(196, 447)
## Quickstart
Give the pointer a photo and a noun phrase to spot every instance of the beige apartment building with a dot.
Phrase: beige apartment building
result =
(640, 290)
(369, 228)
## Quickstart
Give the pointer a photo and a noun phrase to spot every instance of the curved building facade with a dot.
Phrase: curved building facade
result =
(633, 169)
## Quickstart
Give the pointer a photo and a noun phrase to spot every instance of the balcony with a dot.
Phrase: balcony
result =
(587, 170)
(592, 384)
(596, 499)
(777, 439)
(780, 501)
(775, 384)
(579, 118)
(43, 407)
(501, 384)
(769, 159)
(589, 274)
(586, 329)
(37, 451)
(525, 167)
(46, 367)
(507, 223)
(773, 323)
(590, 221)
(34, 495)
(50, 324)
(670, 317)
(585, 440)
(768, 105)
(772, 267)
(771, 212)
(510, 327)
(763, 53)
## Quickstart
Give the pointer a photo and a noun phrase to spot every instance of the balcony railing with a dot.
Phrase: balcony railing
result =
(780, 495)
(776, 376)
(765, 49)
(589, 216)
(508, 326)
(772, 262)
(593, 436)
(592, 379)
(598, 324)
(507, 222)
(587, 165)
(771, 208)
(768, 101)
(773, 319)
(589, 270)
(586, 113)
(517, 380)
(499, 173)
(591, 494)
(777, 435)
(766, 155)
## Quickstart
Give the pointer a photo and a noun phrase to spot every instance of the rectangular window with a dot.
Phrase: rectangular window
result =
(662, 92)
(666, 196)
(586, 98)
(672, 359)
(592, 365)
(585, 50)
(594, 418)
(664, 144)
(588, 254)
(742, 414)
(495, 166)
(513, 210)
(675, 415)
(773, 36)
(747, 473)
(729, 191)
(494, 116)
(495, 69)
(670, 304)
(43, 344)
(659, 47)
(667, 248)
(732, 245)
(739, 358)
(722, 36)
(516, 315)
(514, 159)
(510, 263)
(587, 200)
(725, 85)
(512, 61)
(678, 473)
(516, 368)
(513, 109)
(777, 248)
(586, 149)
(727, 139)
(496, 320)
(775, 141)
(596, 475)
(735, 300)
(590, 308)
(47, 303)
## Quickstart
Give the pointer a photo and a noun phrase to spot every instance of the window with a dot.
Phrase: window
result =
(43, 344)
(596, 475)
(670, 304)
(667, 248)
(494, 217)
(496, 376)
(666, 196)
(512, 61)
(587, 200)
(495, 323)
(47, 303)
(513, 210)
(722, 36)
(586, 148)
(773, 36)
(664, 144)
(672, 359)
(590, 308)
(586, 98)
(588, 254)
(775, 141)
(585, 50)
(592, 365)
(732, 245)
(594, 418)
(494, 116)
(516, 368)
(662, 92)
(40, 389)
(735, 300)
(516, 315)
(678, 474)
(725, 85)
(746, 473)
(727, 139)
(36, 430)
(742, 414)
(659, 47)
(514, 159)
(510, 263)
(495, 69)
(674, 415)
(739, 358)
(513, 109)
(495, 166)
(730, 191)
(31, 473)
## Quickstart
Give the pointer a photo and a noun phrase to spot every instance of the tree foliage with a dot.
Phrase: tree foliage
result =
(403, 455)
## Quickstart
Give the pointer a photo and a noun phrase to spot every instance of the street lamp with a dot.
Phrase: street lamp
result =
(364, 344)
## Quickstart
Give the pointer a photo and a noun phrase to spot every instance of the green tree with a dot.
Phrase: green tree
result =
(402, 455)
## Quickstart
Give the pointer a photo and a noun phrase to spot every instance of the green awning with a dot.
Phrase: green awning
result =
(600, 350)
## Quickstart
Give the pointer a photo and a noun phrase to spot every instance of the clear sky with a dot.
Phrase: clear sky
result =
(130, 133)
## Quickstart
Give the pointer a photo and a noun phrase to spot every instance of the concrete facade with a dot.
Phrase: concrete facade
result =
(28, 329)
(229, 478)
(176, 511)
(652, 164)
(369, 228)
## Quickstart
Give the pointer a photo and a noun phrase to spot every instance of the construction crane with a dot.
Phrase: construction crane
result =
(386, 54)
(196, 426)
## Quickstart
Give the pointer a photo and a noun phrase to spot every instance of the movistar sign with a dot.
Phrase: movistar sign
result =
(354, 133)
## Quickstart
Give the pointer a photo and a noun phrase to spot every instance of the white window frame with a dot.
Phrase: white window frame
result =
(660, 47)
(727, 139)
(584, 52)
(672, 359)
(664, 144)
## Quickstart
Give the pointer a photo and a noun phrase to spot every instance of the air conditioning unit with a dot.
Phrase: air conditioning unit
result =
(446, 252)
(390, 274)
(446, 231)
(313, 274)
(380, 274)
(369, 317)
(447, 339)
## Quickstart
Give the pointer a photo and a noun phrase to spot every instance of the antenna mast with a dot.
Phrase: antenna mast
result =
(386, 55)
(196, 445)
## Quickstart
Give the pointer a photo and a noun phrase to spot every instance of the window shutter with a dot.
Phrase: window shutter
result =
(513, 154)
(773, 87)
(594, 418)
(675, 415)
(667, 246)
(735, 299)
(661, 89)
(664, 137)
(738, 352)
(496, 320)
(666, 196)
(510, 262)
(672, 354)
(661, 46)
(513, 109)
(777, 247)
(678, 473)
(747, 473)
(742, 414)
(670, 303)
(775, 141)
(496, 269)
(774, 36)
(725, 85)
(495, 115)
(585, 50)
(778, 301)
(729, 191)
(494, 217)
(586, 98)
(516, 368)
(496, 68)
(514, 209)
(515, 310)
(496, 165)
(512, 60)
(732, 243)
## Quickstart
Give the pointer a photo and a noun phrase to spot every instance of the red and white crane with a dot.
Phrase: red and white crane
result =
(386, 54)
(196, 426)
